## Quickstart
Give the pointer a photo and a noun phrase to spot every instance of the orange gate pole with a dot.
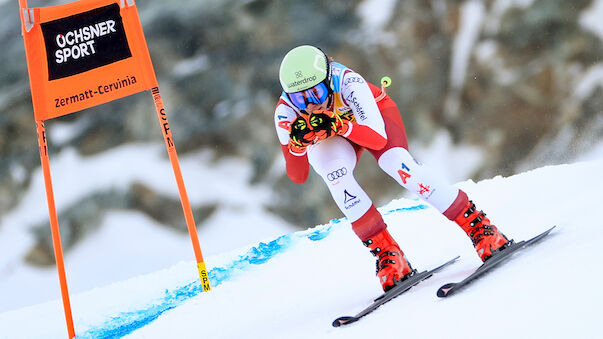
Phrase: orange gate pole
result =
(186, 206)
(54, 227)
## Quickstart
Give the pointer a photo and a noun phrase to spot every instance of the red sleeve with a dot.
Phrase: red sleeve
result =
(365, 136)
(298, 167)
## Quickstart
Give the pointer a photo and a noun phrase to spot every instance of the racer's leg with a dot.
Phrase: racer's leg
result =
(452, 202)
(396, 160)
(334, 159)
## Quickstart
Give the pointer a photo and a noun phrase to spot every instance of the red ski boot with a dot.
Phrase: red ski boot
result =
(392, 266)
(486, 237)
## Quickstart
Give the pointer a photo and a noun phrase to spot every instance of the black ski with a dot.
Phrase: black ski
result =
(496, 259)
(400, 288)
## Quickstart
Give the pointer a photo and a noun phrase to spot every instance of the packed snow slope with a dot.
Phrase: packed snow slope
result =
(296, 285)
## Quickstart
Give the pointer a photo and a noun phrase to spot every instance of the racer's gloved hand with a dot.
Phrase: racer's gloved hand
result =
(300, 135)
(327, 123)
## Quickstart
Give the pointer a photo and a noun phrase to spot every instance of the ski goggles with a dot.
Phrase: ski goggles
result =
(315, 95)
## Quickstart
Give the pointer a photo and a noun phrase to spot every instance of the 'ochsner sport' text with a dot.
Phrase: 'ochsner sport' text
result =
(80, 42)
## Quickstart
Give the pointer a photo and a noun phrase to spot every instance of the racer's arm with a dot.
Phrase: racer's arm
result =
(369, 128)
(297, 164)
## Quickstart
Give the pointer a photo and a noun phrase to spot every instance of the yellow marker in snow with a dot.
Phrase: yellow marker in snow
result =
(204, 276)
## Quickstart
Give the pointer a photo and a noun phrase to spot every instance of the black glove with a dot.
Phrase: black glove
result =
(300, 135)
(327, 123)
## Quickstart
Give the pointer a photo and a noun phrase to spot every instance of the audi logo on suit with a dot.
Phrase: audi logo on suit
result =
(337, 174)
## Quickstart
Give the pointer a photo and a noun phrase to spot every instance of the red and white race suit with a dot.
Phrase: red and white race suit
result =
(378, 128)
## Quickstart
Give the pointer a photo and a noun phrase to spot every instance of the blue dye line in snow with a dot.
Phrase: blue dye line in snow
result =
(407, 209)
(127, 322)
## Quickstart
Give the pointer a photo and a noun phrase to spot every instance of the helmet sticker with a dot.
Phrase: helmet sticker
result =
(317, 59)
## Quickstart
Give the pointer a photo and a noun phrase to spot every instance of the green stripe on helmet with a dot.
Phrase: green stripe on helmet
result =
(302, 68)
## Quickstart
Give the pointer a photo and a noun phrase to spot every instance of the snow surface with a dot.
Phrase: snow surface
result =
(295, 285)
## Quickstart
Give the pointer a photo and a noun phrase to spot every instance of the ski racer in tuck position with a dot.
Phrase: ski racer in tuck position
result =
(327, 116)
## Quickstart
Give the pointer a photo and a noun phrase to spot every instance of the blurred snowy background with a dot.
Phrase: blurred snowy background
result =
(485, 88)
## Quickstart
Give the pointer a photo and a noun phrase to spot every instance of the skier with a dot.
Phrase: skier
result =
(326, 116)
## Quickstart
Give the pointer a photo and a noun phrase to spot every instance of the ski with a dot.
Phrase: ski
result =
(398, 289)
(496, 259)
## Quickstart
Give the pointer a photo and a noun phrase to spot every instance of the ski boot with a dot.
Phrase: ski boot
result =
(486, 238)
(392, 266)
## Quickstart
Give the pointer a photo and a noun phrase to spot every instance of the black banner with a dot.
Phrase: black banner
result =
(85, 41)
